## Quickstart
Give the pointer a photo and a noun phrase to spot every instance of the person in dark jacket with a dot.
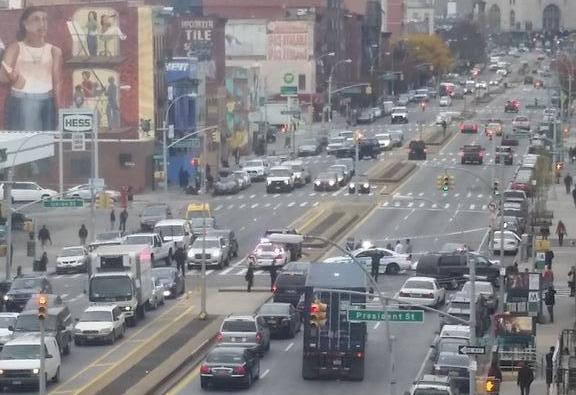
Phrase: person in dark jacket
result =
(494, 370)
(525, 378)
(548, 257)
(574, 195)
(44, 236)
(375, 266)
(123, 219)
(273, 274)
(550, 367)
(112, 218)
(550, 301)
(249, 276)
(180, 258)
(83, 234)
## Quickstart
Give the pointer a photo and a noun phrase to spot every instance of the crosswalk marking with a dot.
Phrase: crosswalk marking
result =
(457, 194)
(421, 194)
(254, 205)
(303, 204)
(252, 196)
(410, 204)
(421, 204)
(291, 204)
(218, 208)
(484, 207)
(230, 207)
(447, 205)
(64, 296)
(472, 206)
(226, 271)
(268, 205)
(385, 204)
(242, 206)
(480, 196)
(315, 204)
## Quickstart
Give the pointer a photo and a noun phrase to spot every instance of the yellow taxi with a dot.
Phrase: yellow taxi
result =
(198, 210)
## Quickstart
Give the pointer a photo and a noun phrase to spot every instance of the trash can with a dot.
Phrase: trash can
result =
(540, 260)
(36, 265)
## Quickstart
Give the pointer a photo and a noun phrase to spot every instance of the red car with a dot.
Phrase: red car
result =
(512, 106)
(469, 127)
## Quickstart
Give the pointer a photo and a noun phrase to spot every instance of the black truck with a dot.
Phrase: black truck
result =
(336, 347)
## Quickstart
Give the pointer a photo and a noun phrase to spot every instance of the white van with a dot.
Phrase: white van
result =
(176, 230)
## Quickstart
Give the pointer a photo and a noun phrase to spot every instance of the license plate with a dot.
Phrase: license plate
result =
(221, 373)
(16, 382)
(337, 362)
(291, 291)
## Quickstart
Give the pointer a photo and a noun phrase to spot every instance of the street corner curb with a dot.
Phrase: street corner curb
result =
(243, 289)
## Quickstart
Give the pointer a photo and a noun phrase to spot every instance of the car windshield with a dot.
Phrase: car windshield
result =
(31, 323)
(430, 391)
(225, 356)
(110, 288)
(105, 236)
(21, 351)
(460, 304)
(163, 273)
(238, 326)
(450, 346)
(254, 163)
(199, 223)
(308, 142)
(326, 176)
(27, 283)
(274, 308)
(280, 172)
(210, 243)
(72, 251)
(266, 247)
(170, 230)
(154, 211)
(5, 322)
(418, 284)
(96, 316)
(135, 239)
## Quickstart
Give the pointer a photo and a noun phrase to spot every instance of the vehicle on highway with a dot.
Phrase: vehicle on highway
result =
(72, 260)
(326, 182)
(445, 101)
(267, 253)
(160, 250)
(122, 275)
(469, 127)
(177, 231)
(7, 321)
(58, 324)
(456, 366)
(360, 185)
(417, 150)
(282, 319)
(153, 213)
(113, 237)
(434, 385)
(511, 242)
(309, 147)
(343, 173)
(197, 210)
(171, 279)
(348, 162)
(244, 331)
(512, 106)
(243, 178)
(509, 139)
(301, 174)
(493, 128)
(403, 100)
(423, 291)
(230, 367)
(471, 154)
(295, 248)
(256, 168)
(212, 250)
(399, 115)
(521, 122)
(487, 291)
(335, 347)
(504, 155)
(280, 179)
(101, 323)
(390, 262)
(26, 191)
(20, 362)
(451, 269)
(377, 111)
(229, 238)
(226, 185)
(202, 225)
(22, 289)
(366, 116)
(290, 283)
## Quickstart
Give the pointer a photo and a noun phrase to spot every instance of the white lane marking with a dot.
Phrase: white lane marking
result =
(337, 193)
(408, 215)
(480, 196)
(242, 206)
(469, 195)
(276, 196)
(75, 275)
(242, 228)
(409, 193)
(410, 204)
(385, 204)
(421, 194)
(447, 205)
(289, 346)
(240, 197)
(291, 204)
(457, 194)
(472, 206)
(252, 196)
(226, 271)
(75, 298)
(303, 204)
(265, 373)
(218, 208)
(228, 197)
(484, 207)
(376, 325)
(258, 272)
(254, 205)
(315, 204)
(64, 296)
(421, 204)
(242, 272)
(276, 207)
(230, 207)
(312, 194)
(268, 205)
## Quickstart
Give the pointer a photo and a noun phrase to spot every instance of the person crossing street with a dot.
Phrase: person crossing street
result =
(44, 236)
(180, 258)
(83, 234)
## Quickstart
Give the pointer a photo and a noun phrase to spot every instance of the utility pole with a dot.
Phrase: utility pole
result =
(471, 263)
(203, 314)
(42, 373)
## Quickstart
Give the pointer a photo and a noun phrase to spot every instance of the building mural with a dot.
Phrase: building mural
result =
(237, 108)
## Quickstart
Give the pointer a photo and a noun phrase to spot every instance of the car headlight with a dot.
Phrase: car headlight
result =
(77, 330)
(167, 292)
(366, 185)
(216, 253)
(35, 371)
(7, 298)
(317, 182)
(331, 182)
(286, 182)
(268, 182)
(106, 330)
(352, 185)
(128, 308)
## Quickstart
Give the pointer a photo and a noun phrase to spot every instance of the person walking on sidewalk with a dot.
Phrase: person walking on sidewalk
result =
(574, 196)
(494, 370)
(525, 378)
(249, 276)
(548, 277)
(550, 301)
(561, 232)
(572, 281)
(83, 234)
(273, 274)
(44, 236)
(548, 258)
(123, 219)
(180, 258)
(568, 183)
(549, 368)
(112, 218)
(408, 247)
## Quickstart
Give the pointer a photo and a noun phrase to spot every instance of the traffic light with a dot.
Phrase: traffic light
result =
(103, 200)
(358, 136)
(194, 162)
(444, 182)
(42, 306)
(318, 316)
(215, 136)
(496, 188)
(559, 166)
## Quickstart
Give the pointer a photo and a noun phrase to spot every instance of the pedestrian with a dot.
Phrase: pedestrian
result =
(112, 218)
(399, 248)
(568, 182)
(548, 258)
(350, 244)
(548, 277)
(185, 179)
(83, 234)
(494, 370)
(123, 219)
(389, 247)
(287, 142)
(273, 274)
(574, 196)
(249, 276)
(19, 271)
(44, 236)
(181, 177)
(550, 301)
(561, 232)
(375, 265)
(549, 368)
(515, 268)
(44, 261)
(180, 258)
(237, 156)
(572, 281)
(408, 247)
(525, 378)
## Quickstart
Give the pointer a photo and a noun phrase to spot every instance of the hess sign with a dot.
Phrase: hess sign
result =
(76, 122)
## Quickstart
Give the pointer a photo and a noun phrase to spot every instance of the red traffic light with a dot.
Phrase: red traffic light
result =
(42, 306)
(194, 162)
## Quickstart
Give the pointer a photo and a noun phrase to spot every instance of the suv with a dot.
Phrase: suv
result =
(417, 150)
(295, 249)
(290, 283)
(512, 106)
(229, 238)
(451, 269)
(257, 169)
(301, 174)
(504, 155)
(469, 127)
(23, 288)
(247, 331)
(399, 115)
(58, 324)
(280, 178)
(214, 249)
(521, 122)
(24, 191)
(369, 147)
(472, 154)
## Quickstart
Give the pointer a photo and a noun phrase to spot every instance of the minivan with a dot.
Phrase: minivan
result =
(58, 323)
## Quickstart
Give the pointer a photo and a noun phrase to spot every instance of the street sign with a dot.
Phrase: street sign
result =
(471, 350)
(188, 143)
(290, 112)
(97, 183)
(289, 90)
(78, 141)
(393, 315)
(60, 203)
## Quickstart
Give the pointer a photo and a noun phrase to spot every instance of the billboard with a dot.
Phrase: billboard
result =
(197, 38)
(289, 41)
(246, 38)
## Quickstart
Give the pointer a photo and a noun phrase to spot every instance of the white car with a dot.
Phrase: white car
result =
(157, 297)
(377, 111)
(455, 331)
(384, 140)
(399, 115)
(423, 291)
(521, 122)
(257, 169)
(20, 361)
(244, 177)
(390, 261)
(24, 191)
(72, 259)
(175, 230)
(266, 253)
(445, 101)
(100, 323)
(481, 85)
(511, 242)
(7, 320)
(83, 192)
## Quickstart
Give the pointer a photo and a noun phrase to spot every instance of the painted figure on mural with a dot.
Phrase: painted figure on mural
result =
(110, 32)
(32, 68)
(112, 108)
(88, 86)
(92, 33)
(78, 96)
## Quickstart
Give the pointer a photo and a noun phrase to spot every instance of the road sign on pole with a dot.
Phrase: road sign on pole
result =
(391, 315)
(59, 203)
(289, 90)
(471, 350)
(78, 141)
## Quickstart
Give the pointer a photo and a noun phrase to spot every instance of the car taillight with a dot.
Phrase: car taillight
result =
(205, 369)
(481, 153)
(359, 354)
(258, 337)
(278, 256)
(274, 289)
(219, 337)
(240, 369)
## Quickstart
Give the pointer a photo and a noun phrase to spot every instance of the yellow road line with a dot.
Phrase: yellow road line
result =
(178, 388)
(310, 220)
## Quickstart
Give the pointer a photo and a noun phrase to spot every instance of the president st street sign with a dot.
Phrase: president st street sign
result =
(390, 315)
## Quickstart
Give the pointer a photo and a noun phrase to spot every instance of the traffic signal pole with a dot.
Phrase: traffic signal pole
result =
(42, 371)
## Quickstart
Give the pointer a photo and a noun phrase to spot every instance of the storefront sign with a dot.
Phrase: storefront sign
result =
(196, 36)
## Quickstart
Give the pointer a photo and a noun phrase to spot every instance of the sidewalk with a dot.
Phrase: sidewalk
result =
(547, 335)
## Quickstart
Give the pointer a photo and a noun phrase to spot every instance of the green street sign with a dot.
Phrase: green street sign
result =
(188, 143)
(59, 203)
(289, 90)
(393, 315)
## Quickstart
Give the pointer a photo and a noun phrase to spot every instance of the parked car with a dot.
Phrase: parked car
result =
(230, 366)
(487, 291)
(72, 259)
(511, 242)
(455, 366)
(171, 279)
(281, 318)
(243, 178)
(100, 323)
(84, 192)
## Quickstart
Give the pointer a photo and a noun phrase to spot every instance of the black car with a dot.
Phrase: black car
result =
(227, 185)
(230, 367)
(508, 139)
(152, 214)
(171, 279)
(361, 186)
(326, 182)
(289, 285)
(281, 318)
(472, 154)
(369, 147)
(309, 147)
(455, 366)
(417, 150)
(23, 288)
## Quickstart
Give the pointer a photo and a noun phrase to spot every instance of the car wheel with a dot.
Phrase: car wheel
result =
(392, 268)
(56, 377)
(257, 376)
(203, 383)
(249, 379)
(122, 331)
